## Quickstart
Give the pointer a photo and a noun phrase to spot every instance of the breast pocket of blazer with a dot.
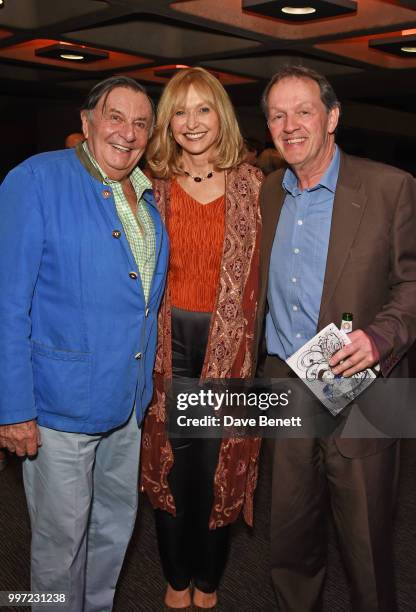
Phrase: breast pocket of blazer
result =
(62, 381)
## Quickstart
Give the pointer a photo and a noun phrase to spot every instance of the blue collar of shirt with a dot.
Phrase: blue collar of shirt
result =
(328, 180)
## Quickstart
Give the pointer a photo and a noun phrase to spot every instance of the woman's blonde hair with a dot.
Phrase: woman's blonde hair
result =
(163, 153)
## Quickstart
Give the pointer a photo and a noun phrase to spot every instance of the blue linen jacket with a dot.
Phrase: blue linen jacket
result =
(77, 340)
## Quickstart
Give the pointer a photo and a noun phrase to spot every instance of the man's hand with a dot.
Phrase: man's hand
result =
(21, 438)
(362, 353)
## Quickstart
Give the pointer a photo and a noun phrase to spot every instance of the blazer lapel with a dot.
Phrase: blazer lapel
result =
(271, 203)
(349, 206)
(271, 200)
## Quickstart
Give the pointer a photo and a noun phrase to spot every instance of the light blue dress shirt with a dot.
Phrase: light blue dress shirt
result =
(298, 262)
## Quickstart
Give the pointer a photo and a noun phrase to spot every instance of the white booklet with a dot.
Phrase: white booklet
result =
(310, 363)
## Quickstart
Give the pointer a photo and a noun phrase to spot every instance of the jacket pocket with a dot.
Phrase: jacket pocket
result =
(62, 381)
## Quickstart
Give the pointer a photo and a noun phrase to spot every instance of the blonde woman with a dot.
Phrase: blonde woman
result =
(209, 200)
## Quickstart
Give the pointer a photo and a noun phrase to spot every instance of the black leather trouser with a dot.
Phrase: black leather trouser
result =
(189, 550)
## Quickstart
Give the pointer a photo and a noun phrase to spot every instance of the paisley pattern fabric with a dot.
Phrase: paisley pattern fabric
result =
(229, 354)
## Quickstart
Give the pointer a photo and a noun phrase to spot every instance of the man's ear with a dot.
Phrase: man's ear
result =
(333, 118)
(84, 122)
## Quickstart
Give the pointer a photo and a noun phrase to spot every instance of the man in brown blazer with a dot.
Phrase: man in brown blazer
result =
(339, 235)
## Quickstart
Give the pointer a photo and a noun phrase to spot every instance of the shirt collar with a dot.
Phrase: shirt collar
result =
(328, 180)
(139, 180)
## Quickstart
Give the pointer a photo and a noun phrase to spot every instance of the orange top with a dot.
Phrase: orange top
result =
(196, 234)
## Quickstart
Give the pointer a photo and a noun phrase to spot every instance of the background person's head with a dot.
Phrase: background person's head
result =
(195, 117)
(253, 148)
(74, 139)
(117, 121)
(269, 160)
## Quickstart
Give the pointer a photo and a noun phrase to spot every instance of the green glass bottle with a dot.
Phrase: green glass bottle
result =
(346, 322)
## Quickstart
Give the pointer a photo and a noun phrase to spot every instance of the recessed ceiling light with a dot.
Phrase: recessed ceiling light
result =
(64, 51)
(403, 46)
(302, 10)
(1, 3)
(71, 56)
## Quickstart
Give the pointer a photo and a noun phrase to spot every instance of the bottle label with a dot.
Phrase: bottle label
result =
(346, 326)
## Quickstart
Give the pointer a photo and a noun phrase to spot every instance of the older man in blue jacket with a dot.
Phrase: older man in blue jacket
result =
(83, 257)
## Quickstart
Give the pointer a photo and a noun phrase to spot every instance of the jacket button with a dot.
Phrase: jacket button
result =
(106, 193)
(116, 234)
(138, 356)
(133, 275)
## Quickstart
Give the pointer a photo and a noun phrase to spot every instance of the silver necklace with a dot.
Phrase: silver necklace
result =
(199, 179)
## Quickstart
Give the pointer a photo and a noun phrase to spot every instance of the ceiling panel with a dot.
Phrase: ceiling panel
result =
(265, 66)
(26, 52)
(371, 14)
(30, 14)
(161, 39)
(151, 75)
(358, 49)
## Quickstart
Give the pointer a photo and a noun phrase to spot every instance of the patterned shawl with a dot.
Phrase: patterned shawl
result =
(229, 354)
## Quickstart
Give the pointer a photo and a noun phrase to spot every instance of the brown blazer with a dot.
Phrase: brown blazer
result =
(371, 263)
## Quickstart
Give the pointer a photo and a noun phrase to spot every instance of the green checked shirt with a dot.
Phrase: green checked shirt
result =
(139, 228)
